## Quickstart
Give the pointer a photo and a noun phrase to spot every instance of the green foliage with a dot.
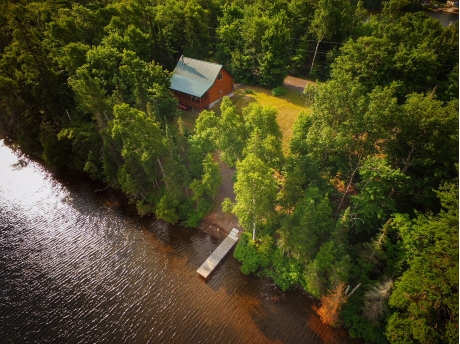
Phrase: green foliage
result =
(199, 147)
(406, 50)
(166, 210)
(278, 91)
(330, 267)
(210, 180)
(207, 124)
(263, 134)
(273, 62)
(232, 133)
(246, 253)
(86, 86)
(137, 134)
(197, 40)
(358, 326)
(144, 208)
(90, 96)
(309, 92)
(55, 154)
(86, 146)
(252, 43)
(285, 272)
(195, 212)
(372, 205)
(334, 20)
(308, 226)
(256, 191)
(425, 299)
(227, 206)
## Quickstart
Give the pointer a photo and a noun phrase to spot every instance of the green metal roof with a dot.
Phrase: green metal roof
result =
(194, 77)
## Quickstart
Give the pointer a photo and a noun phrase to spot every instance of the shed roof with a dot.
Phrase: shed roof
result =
(194, 77)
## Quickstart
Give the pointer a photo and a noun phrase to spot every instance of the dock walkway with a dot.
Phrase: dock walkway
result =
(214, 259)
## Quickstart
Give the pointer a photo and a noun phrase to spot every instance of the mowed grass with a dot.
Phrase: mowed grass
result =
(288, 106)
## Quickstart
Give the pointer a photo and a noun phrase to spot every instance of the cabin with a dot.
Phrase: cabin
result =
(199, 84)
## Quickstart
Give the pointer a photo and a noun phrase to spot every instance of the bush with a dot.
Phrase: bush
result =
(278, 91)
(227, 206)
(195, 212)
(246, 253)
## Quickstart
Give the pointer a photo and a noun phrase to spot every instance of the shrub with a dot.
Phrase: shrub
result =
(227, 206)
(278, 91)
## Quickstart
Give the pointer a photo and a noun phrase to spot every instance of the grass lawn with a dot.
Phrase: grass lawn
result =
(288, 106)
(188, 117)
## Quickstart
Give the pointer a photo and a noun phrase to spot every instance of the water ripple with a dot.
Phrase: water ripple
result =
(76, 268)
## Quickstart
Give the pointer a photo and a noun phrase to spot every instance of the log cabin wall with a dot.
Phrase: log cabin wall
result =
(221, 87)
(194, 102)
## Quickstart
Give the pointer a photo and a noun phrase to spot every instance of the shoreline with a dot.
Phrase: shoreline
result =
(219, 225)
(216, 223)
(453, 10)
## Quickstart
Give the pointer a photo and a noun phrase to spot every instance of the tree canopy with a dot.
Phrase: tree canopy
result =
(361, 212)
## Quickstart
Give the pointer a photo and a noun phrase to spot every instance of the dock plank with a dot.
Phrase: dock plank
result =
(219, 253)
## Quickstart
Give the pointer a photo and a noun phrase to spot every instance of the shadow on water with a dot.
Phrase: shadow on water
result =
(278, 307)
(79, 266)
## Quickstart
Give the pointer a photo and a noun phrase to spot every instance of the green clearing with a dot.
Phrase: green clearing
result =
(288, 106)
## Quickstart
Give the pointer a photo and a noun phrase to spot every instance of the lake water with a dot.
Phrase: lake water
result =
(76, 266)
(444, 17)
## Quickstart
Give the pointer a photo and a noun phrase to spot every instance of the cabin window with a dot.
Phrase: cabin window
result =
(195, 99)
(219, 76)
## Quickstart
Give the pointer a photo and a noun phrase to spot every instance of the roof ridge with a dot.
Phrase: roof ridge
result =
(196, 78)
(191, 58)
(200, 75)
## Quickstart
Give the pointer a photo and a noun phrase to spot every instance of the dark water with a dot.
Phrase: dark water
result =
(76, 267)
(444, 17)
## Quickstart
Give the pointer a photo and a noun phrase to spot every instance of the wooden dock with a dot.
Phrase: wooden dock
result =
(214, 259)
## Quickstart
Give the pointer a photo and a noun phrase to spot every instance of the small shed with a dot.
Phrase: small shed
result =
(200, 84)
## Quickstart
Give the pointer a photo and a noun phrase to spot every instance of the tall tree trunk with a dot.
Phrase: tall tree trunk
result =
(348, 186)
(354, 289)
(314, 56)
(407, 162)
(163, 171)
(254, 222)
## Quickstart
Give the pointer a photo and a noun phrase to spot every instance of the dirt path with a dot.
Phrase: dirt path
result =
(296, 83)
(218, 223)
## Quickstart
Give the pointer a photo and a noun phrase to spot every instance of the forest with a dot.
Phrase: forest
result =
(361, 212)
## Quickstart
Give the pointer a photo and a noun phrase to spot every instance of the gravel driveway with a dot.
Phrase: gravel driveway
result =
(296, 83)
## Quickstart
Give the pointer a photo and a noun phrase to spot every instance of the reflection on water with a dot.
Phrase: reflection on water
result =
(76, 266)
(444, 17)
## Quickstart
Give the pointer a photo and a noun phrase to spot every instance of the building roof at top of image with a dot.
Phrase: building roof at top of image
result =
(194, 77)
